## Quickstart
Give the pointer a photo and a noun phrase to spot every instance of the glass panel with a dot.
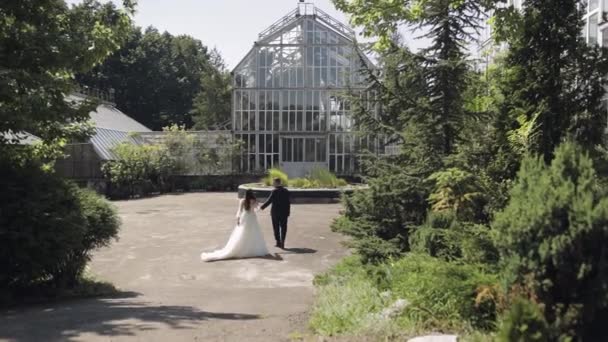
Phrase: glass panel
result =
(321, 149)
(268, 148)
(245, 121)
(245, 73)
(593, 29)
(268, 161)
(292, 121)
(251, 143)
(275, 143)
(298, 150)
(261, 143)
(275, 160)
(252, 120)
(251, 165)
(287, 150)
(299, 120)
(347, 163)
(593, 4)
(276, 119)
(339, 144)
(309, 121)
(310, 150)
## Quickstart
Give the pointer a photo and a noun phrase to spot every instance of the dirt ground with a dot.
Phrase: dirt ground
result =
(169, 294)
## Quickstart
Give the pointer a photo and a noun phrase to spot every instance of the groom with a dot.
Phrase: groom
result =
(281, 207)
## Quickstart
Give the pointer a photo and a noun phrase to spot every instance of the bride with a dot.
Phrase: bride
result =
(246, 240)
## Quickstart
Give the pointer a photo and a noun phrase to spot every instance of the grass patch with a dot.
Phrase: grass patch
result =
(442, 297)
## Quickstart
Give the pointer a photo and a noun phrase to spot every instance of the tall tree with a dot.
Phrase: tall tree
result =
(450, 24)
(155, 76)
(43, 44)
(211, 107)
(557, 79)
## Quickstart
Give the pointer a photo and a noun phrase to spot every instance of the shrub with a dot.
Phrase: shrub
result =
(47, 227)
(139, 169)
(303, 183)
(275, 173)
(324, 178)
(458, 191)
(346, 299)
(317, 178)
(523, 322)
(445, 237)
(553, 237)
(443, 295)
(381, 218)
(101, 224)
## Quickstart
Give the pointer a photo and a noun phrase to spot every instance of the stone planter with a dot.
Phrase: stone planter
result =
(301, 195)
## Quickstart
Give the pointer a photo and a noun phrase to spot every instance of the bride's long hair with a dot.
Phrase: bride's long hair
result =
(249, 197)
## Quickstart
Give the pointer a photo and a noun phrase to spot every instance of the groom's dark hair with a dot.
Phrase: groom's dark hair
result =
(277, 181)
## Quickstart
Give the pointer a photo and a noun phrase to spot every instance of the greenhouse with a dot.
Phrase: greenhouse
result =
(291, 105)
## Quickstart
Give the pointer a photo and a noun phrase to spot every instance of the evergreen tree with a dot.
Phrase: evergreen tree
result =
(450, 25)
(556, 84)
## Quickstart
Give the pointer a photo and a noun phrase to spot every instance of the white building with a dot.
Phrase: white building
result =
(290, 108)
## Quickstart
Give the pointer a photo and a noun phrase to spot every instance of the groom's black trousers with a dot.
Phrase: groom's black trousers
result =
(279, 224)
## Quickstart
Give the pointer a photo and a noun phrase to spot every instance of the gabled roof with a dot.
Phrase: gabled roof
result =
(111, 127)
(106, 115)
(294, 18)
(307, 12)
(104, 140)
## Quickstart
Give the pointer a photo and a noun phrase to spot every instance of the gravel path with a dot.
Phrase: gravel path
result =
(170, 295)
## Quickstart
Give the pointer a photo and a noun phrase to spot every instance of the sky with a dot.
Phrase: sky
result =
(231, 26)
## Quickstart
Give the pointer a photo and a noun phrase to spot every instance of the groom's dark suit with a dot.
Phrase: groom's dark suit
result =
(281, 208)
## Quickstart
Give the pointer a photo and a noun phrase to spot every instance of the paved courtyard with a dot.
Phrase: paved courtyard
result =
(168, 294)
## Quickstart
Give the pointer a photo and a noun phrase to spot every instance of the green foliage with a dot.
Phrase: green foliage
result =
(445, 237)
(48, 227)
(100, 227)
(161, 79)
(196, 155)
(276, 173)
(139, 169)
(324, 178)
(440, 295)
(551, 238)
(143, 169)
(317, 178)
(212, 106)
(44, 45)
(524, 322)
(458, 191)
(303, 183)
(381, 218)
(547, 59)
(346, 300)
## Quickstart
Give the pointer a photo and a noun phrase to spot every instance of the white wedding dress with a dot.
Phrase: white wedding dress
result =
(246, 240)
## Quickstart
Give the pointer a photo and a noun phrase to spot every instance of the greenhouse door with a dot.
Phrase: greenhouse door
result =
(301, 154)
